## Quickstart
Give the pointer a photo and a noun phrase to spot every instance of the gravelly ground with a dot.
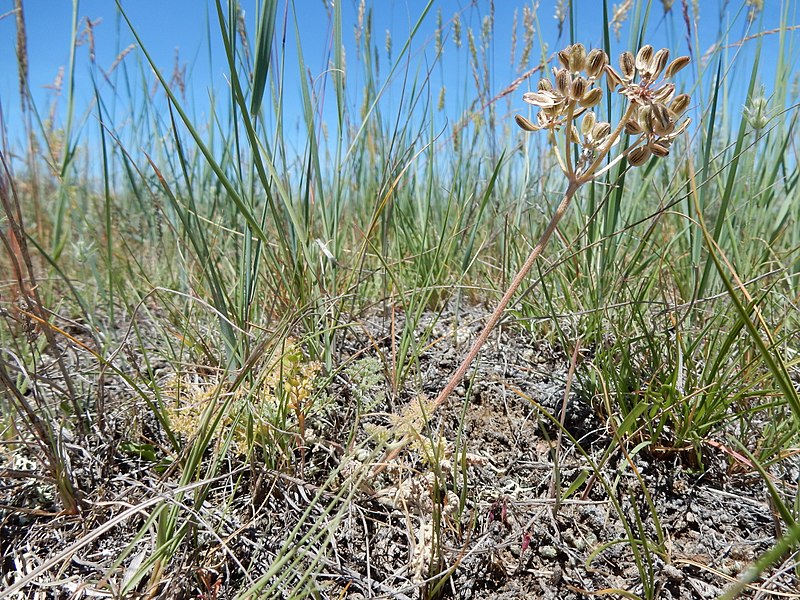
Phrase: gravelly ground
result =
(491, 498)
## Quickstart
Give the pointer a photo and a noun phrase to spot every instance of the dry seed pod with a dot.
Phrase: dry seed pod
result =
(563, 81)
(676, 65)
(662, 122)
(601, 130)
(659, 62)
(613, 79)
(542, 100)
(575, 137)
(543, 119)
(591, 98)
(577, 57)
(545, 85)
(632, 127)
(563, 57)
(643, 57)
(664, 93)
(679, 104)
(525, 124)
(638, 156)
(596, 62)
(588, 122)
(628, 65)
(661, 113)
(578, 88)
(680, 128)
(661, 129)
(551, 112)
(658, 149)
(646, 118)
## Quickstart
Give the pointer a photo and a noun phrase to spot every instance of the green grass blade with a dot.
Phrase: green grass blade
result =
(265, 33)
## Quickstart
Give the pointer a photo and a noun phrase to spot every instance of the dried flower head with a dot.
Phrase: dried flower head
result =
(653, 115)
(594, 135)
(572, 90)
(655, 108)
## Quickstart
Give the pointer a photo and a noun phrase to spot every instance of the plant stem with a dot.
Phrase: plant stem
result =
(570, 172)
(501, 306)
(589, 174)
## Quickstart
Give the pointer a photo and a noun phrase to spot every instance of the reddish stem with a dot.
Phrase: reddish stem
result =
(498, 312)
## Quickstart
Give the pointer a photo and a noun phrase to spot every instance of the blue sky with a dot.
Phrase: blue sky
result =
(167, 25)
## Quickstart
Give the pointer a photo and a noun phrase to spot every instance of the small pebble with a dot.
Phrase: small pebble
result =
(673, 573)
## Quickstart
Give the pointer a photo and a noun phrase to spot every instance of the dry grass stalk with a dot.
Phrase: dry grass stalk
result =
(22, 54)
(178, 78)
(619, 16)
(30, 312)
(528, 20)
(241, 29)
(514, 37)
(560, 15)
(89, 32)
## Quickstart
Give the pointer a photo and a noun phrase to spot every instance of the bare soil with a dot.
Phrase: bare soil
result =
(491, 512)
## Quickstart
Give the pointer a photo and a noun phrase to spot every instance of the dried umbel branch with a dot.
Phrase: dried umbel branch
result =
(650, 120)
(652, 112)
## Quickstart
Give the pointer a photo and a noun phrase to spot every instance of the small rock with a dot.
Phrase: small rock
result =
(673, 573)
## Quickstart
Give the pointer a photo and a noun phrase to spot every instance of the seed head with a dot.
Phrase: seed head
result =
(591, 98)
(627, 65)
(653, 116)
(638, 156)
(643, 57)
(676, 65)
(596, 61)
(756, 113)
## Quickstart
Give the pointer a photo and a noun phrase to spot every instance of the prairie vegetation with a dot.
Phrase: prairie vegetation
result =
(228, 325)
